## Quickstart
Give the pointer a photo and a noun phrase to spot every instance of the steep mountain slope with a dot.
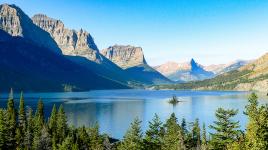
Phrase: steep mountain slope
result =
(30, 67)
(184, 72)
(71, 42)
(132, 60)
(16, 23)
(253, 76)
(81, 44)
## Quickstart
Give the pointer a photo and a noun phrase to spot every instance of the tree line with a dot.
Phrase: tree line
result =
(24, 129)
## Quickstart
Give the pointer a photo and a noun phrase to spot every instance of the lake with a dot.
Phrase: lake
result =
(114, 110)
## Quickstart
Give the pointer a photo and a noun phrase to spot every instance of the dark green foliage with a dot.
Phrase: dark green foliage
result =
(204, 138)
(154, 135)
(226, 130)
(43, 141)
(20, 131)
(29, 134)
(174, 100)
(40, 112)
(257, 129)
(133, 137)
(52, 122)
(3, 129)
(22, 114)
(61, 125)
(95, 139)
(11, 122)
(67, 144)
(173, 138)
(184, 126)
(196, 137)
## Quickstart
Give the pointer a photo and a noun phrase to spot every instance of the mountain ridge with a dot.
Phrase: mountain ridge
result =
(16, 23)
(36, 68)
(184, 72)
(132, 60)
(193, 71)
(251, 77)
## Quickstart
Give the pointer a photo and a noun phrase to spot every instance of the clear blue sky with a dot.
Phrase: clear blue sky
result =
(211, 31)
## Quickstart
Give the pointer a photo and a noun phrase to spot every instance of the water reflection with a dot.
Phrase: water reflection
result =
(114, 110)
(112, 116)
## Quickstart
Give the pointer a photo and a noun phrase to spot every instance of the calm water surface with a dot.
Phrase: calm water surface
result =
(114, 110)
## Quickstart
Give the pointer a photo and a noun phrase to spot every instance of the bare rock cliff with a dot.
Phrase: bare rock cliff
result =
(125, 56)
(16, 23)
(71, 42)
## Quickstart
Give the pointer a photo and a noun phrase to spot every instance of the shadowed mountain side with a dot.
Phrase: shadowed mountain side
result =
(148, 75)
(108, 69)
(16, 23)
(24, 65)
(132, 60)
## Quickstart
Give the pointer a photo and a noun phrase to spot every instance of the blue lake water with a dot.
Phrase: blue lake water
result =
(114, 110)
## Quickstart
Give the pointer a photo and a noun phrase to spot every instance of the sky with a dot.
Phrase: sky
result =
(210, 31)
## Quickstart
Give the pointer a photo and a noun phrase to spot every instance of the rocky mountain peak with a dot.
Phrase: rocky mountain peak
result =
(195, 66)
(71, 42)
(16, 23)
(125, 56)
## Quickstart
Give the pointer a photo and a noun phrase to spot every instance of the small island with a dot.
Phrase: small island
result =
(174, 100)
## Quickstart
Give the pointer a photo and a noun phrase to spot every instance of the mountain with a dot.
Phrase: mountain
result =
(132, 60)
(253, 76)
(71, 42)
(30, 67)
(81, 44)
(22, 39)
(184, 72)
(171, 67)
(223, 68)
(16, 23)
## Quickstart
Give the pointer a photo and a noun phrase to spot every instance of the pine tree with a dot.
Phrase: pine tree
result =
(43, 142)
(11, 119)
(83, 138)
(257, 127)
(61, 124)
(67, 144)
(154, 135)
(38, 123)
(225, 129)
(94, 138)
(3, 129)
(52, 123)
(133, 137)
(196, 138)
(184, 126)
(40, 112)
(29, 131)
(19, 139)
(22, 114)
(106, 143)
(20, 131)
(173, 137)
(204, 138)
